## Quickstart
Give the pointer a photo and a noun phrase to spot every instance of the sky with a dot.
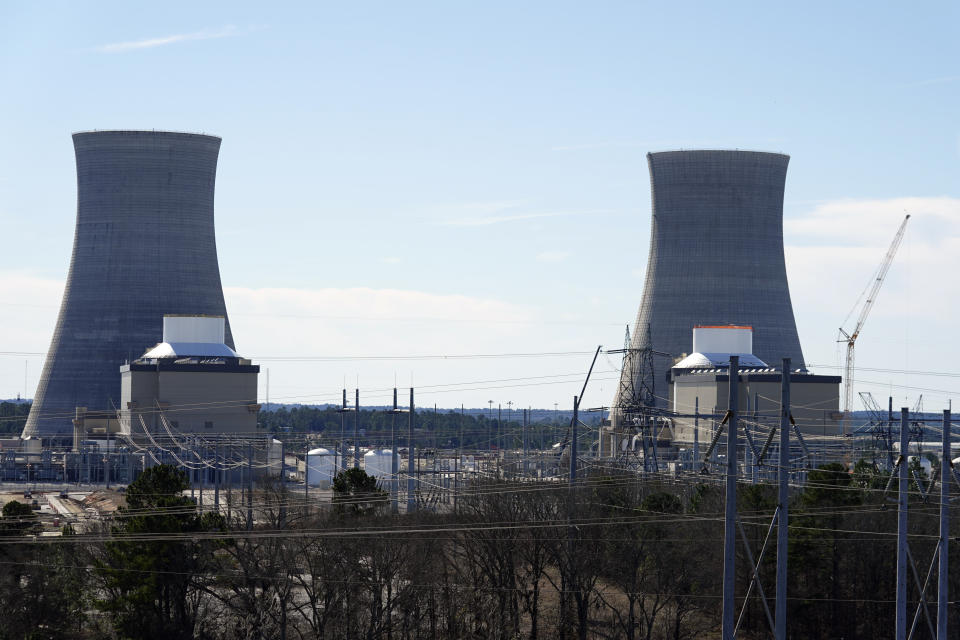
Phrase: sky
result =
(401, 185)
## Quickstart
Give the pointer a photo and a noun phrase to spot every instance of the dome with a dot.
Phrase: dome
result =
(719, 360)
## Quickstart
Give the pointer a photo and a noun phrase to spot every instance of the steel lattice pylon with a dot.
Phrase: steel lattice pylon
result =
(636, 405)
(637, 379)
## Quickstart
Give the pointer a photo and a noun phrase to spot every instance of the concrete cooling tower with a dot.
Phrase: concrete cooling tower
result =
(144, 247)
(716, 258)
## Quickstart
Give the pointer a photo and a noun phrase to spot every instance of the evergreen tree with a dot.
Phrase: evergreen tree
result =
(152, 583)
(356, 493)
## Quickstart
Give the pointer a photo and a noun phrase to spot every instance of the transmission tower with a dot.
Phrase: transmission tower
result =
(636, 398)
(637, 379)
(880, 426)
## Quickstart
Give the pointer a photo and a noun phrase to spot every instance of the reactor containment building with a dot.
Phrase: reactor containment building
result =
(716, 258)
(144, 247)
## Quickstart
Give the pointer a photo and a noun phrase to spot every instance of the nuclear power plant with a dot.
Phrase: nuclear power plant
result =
(144, 247)
(142, 364)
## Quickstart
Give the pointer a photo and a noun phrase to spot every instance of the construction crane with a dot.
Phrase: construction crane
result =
(851, 337)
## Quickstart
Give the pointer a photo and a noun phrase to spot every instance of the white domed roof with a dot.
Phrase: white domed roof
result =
(718, 361)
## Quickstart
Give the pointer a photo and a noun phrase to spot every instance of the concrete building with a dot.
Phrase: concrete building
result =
(815, 399)
(144, 246)
(716, 258)
(190, 384)
(698, 385)
(700, 382)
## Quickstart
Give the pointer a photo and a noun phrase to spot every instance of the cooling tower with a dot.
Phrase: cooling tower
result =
(144, 247)
(716, 257)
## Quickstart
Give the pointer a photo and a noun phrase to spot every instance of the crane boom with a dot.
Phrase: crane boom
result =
(851, 337)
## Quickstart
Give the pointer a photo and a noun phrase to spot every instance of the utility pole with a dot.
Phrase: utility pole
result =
(901, 615)
(890, 431)
(249, 487)
(490, 424)
(556, 423)
(106, 474)
(754, 472)
(509, 418)
(193, 470)
(524, 442)
(243, 486)
(394, 460)
(458, 463)
(696, 429)
(943, 584)
(342, 465)
(283, 484)
(202, 471)
(411, 496)
(356, 432)
(573, 441)
(730, 519)
(780, 623)
(216, 478)
(499, 434)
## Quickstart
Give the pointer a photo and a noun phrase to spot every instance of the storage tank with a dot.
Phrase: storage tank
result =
(321, 467)
(144, 247)
(925, 464)
(379, 464)
(275, 461)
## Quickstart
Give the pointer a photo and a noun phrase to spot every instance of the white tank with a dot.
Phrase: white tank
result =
(321, 467)
(925, 464)
(274, 462)
(379, 464)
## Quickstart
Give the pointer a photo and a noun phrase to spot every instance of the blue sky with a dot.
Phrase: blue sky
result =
(470, 178)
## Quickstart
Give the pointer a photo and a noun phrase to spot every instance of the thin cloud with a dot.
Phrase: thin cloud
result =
(930, 81)
(464, 213)
(626, 144)
(487, 220)
(27, 324)
(552, 256)
(649, 145)
(872, 222)
(150, 43)
(842, 243)
(481, 221)
(492, 206)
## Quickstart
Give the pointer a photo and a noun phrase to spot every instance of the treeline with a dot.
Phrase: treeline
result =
(13, 415)
(618, 557)
(443, 428)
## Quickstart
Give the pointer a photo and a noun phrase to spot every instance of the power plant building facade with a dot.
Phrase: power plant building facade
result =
(716, 258)
(699, 384)
(189, 384)
(144, 247)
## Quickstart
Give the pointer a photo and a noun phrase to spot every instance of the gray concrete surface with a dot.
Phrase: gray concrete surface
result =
(144, 246)
(716, 255)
